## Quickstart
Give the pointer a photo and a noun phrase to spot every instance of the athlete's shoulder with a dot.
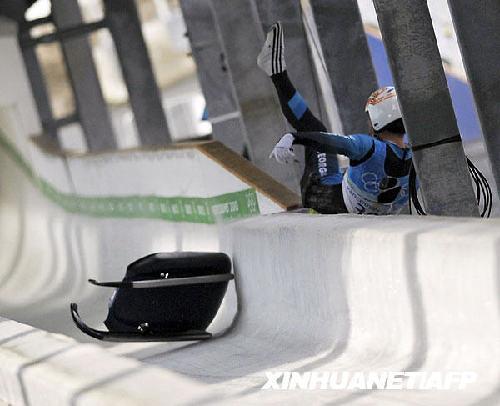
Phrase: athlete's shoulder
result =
(364, 139)
(364, 146)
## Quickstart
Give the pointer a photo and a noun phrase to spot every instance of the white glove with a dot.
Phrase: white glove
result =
(283, 150)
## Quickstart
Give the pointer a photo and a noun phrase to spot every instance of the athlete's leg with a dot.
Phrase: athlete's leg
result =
(294, 106)
(321, 169)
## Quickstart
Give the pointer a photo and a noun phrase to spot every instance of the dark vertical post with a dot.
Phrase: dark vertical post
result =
(39, 89)
(145, 99)
(426, 105)
(477, 24)
(214, 76)
(92, 109)
(243, 37)
(347, 59)
(13, 9)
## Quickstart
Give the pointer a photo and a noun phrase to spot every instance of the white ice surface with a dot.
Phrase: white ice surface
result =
(316, 293)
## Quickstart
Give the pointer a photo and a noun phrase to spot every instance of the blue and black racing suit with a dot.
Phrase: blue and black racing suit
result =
(376, 181)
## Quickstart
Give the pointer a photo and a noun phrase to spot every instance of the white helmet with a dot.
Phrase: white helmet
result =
(382, 107)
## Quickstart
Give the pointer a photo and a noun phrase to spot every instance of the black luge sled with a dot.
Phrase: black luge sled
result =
(164, 297)
(140, 336)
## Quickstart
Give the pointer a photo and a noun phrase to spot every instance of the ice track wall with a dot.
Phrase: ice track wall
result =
(354, 293)
(185, 183)
(195, 183)
(40, 369)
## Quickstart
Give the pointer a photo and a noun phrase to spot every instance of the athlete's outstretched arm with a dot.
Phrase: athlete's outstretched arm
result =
(358, 148)
(355, 147)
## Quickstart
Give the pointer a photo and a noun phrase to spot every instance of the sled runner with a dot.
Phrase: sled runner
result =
(164, 297)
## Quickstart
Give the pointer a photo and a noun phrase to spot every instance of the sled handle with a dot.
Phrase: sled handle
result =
(164, 283)
(92, 332)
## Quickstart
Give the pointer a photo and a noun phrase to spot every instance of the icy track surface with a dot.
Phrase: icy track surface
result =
(316, 293)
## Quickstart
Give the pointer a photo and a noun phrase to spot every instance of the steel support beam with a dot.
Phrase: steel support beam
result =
(61, 35)
(38, 21)
(477, 25)
(92, 109)
(347, 60)
(144, 95)
(14, 9)
(39, 89)
(243, 36)
(425, 102)
(213, 74)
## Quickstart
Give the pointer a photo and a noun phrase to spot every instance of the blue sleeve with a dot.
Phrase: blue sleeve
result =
(353, 146)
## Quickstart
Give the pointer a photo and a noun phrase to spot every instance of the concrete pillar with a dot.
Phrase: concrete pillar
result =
(347, 59)
(144, 95)
(425, 102)
(213, 74)
(92, 109)
(243, 37)
(477, 25)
